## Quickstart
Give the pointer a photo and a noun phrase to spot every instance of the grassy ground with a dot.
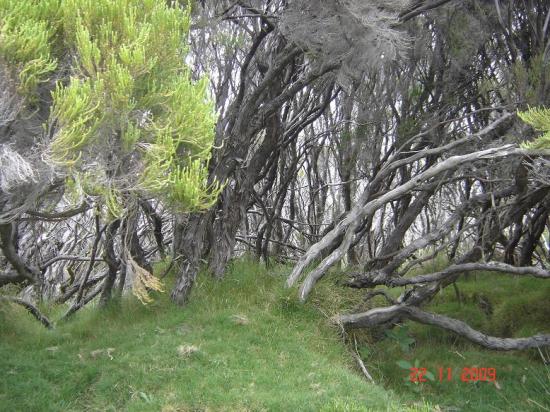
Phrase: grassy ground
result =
(247, 344)
(241, 344)
(498, 305)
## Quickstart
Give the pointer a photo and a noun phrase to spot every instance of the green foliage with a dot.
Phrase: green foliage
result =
(128, 119)
(27, 29)
(400, 334)
(407, 128)
(539, 118)
(461, 45)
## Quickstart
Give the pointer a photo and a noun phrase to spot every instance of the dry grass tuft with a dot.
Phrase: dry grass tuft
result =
(186, 351)
(240, 319)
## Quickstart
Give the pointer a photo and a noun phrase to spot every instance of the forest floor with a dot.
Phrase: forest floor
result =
(246, 344)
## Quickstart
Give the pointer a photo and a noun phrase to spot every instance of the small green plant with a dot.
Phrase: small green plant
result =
(401, 335)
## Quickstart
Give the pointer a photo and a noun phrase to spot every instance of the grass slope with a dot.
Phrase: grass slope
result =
(241, 344)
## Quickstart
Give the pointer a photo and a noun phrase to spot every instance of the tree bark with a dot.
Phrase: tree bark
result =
(113, 263)
(192, 240)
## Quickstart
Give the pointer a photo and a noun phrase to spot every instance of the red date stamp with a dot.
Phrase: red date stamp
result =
(467, 374)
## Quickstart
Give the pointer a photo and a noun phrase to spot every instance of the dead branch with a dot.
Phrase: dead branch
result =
(357, 357)
(471, 267)
(382, 315)
(350, 223)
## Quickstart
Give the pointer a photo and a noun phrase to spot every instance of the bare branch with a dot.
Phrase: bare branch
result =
(420, 8)
(350, 223)
(31, 308)
(382, 315)
(53, 260)
(59, 215)
(471, 267)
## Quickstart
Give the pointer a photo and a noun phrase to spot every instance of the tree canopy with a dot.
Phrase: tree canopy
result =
(124, 115)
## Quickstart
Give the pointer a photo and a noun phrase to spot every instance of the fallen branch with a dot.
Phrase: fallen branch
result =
(382, 315)
(355, 354)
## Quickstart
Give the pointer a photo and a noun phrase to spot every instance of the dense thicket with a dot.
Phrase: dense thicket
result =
(375, 135)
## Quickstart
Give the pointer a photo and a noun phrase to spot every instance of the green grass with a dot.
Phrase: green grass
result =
(241, 344)
(246, 344)
(518, 307)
